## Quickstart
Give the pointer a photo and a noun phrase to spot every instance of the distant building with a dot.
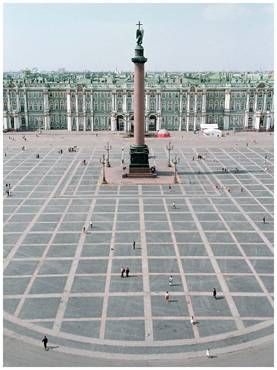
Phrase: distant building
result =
(104, 101)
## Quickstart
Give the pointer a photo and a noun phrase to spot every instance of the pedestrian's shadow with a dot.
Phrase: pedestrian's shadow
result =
(173, 300)
(51, 347)
(196, 322)
(175, 284)
(213, 356)
(218, 298)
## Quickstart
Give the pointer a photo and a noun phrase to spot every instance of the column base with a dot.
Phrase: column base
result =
(139, 162)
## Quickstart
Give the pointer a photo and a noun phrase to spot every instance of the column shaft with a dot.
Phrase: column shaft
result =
(139, 104)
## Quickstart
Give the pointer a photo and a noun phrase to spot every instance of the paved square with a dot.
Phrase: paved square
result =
(57, 276)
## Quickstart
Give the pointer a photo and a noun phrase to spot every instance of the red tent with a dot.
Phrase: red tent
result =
(163, 133)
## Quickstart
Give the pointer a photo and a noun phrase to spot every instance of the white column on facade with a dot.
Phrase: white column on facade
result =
(227, 109)
(125, 123)
(84, 112)
(68, 108)
(124, 105)
(128, 123)
(114, 102)
(257, 120)
(246, 114)
(255, 102)
(147, 102)
(113, 122)
(268, 119)
(77, 111)
(159, 107)
(17, 101)
(9, 101)
(46, 110)
(180, 110)
(188, 112)
(195, 111)
(91, 111)
(158, 122)
(26, 109)
(146, 120)
(264, 102)
(256, 116)
(5, 123)
(204, 100)
(16, 121)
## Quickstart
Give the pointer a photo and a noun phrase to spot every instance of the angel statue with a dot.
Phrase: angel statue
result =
(139, 34)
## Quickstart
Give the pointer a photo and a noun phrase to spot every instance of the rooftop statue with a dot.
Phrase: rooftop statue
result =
(139, 34)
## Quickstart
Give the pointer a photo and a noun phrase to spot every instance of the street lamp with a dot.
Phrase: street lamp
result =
(103, 162)
(175, 161)
(108, 148)
(169, 148)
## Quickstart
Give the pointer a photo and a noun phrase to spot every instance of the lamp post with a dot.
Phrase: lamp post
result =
(175, 161)
(108, 148)
(103, 162)
(169, 148)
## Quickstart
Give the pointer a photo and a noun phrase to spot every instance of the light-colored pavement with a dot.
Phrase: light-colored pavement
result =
(17, 353)
(66, 284)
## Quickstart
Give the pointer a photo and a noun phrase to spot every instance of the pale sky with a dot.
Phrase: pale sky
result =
(101, 37)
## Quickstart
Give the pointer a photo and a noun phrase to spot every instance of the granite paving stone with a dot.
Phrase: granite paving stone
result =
(125, 306)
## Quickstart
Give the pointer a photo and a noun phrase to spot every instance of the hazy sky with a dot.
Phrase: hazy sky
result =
(100, 37)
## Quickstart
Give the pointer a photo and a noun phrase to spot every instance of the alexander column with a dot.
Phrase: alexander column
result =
(139, 163)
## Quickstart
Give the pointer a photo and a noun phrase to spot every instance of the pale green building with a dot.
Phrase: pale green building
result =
(104, 101)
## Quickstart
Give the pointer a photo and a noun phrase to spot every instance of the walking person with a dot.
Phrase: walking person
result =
(264, 220)
(167, 297)
(90, 223)
(208, 353)
(134, 244)
(122, 271)
(214, 293)
(45, 341)
(192, 320)
(127, 271)
(84, 229)
(170, 280)
(173, 205)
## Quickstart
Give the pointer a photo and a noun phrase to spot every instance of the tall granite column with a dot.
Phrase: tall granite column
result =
(139, 151)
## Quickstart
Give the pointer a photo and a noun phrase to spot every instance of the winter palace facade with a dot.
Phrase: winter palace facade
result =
(88, 101)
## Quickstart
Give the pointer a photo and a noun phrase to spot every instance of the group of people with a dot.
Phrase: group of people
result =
(124, 270)
(90, 225)
(8, 190)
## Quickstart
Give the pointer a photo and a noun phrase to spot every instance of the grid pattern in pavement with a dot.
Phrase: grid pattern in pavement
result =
(67, 283)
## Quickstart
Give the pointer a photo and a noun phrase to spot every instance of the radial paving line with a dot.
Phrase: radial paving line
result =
(35, 273)
(108, 277)
(246, 259)
(256, 178)
(251, 150)
(220, 277)
(71, 275)
(26, 231)
(261, 205)
(261, 234)
(84, 172)
(182, 273)
(145, 275)
(24, 199)
(19, 165)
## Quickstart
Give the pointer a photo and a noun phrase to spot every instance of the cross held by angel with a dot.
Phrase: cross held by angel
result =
(139, 34)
